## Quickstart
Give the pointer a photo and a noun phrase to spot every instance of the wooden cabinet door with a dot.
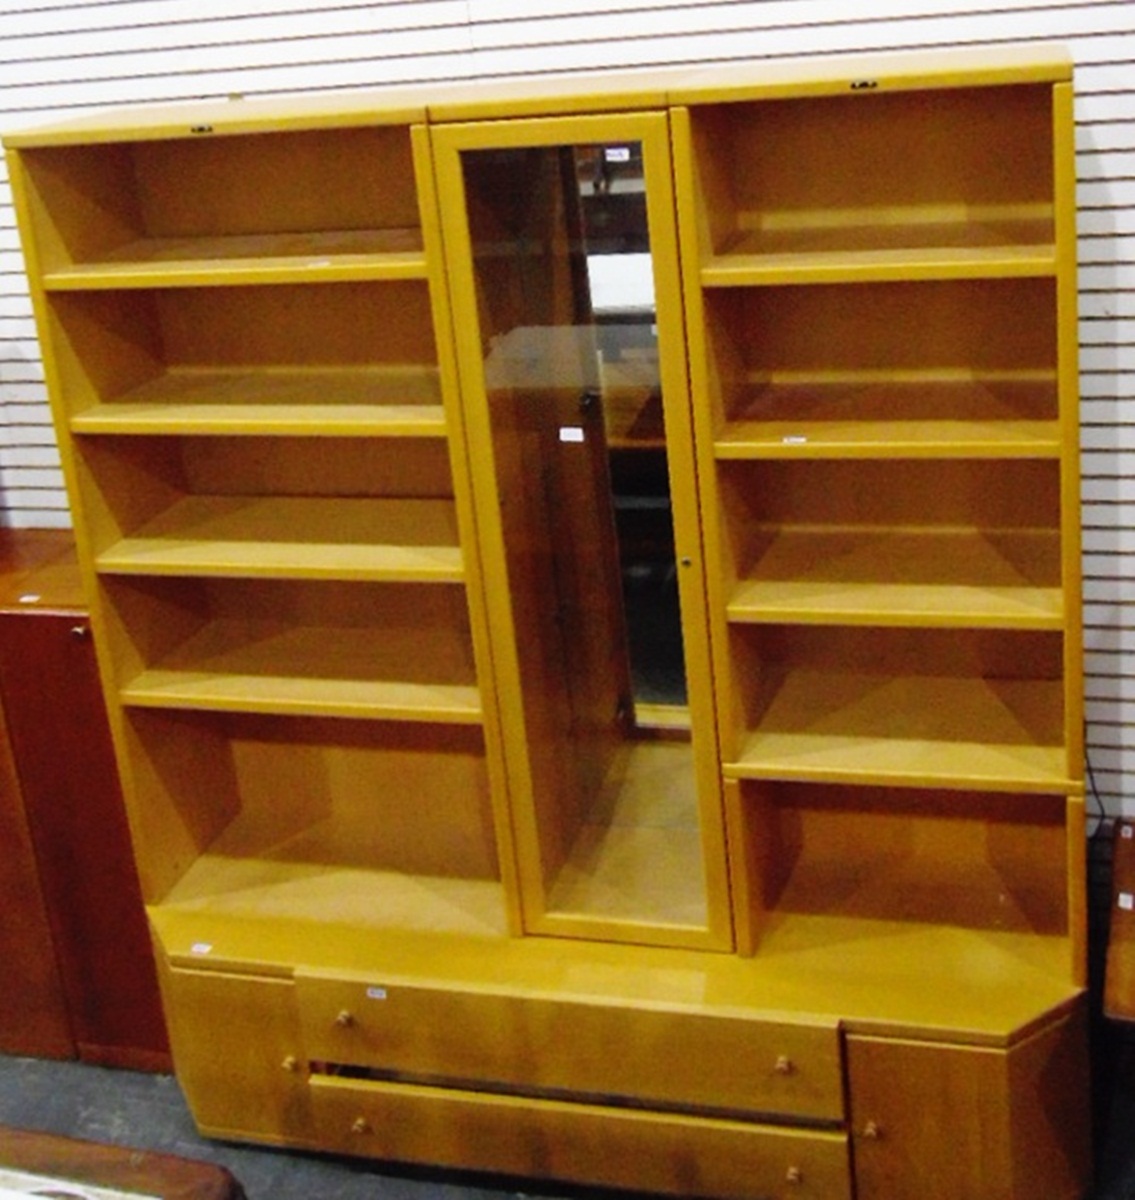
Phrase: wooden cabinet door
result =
(33, 1013)
(237, 1051)
(935, 1121)
(74, 810)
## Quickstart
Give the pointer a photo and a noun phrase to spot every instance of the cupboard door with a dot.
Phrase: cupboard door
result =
(33, 1012)
(75, 812)
(1016, 1127)
(571, 356)
(237, 1053)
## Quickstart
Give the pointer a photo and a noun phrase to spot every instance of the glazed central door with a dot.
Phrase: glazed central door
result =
(566, 303)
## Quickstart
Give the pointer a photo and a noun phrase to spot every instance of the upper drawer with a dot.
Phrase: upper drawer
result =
(593, 1050)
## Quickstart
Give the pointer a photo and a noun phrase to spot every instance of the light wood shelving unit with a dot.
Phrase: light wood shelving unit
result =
(366, 485)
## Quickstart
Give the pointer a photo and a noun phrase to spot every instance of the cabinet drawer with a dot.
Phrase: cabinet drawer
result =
(589, 1145)
(548, 1047)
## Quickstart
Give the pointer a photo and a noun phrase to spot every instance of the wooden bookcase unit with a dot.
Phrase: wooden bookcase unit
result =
(456, 849)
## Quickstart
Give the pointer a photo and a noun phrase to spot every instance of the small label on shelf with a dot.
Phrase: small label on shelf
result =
(617, 154)
(571, 433)
(1127, 901)
(31, 598)
(201, 948)
(795, 439)
(376, 993)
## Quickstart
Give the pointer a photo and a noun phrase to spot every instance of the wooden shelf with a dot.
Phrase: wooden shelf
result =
(319, 875)
(292, 537)
(919, 731)
(258, 667)
(261, 258)
(1013, 416)
(971, 860)
(381, 401)
(952, 577)
(874, 252)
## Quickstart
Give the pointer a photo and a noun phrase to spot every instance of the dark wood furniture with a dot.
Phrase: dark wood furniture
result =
(73, 936)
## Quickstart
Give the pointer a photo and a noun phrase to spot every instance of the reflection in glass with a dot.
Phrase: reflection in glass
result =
(570, 343)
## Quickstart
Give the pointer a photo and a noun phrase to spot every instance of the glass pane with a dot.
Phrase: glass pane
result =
(570, 342)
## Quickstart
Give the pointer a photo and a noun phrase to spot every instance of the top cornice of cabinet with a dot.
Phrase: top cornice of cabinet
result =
(562, 95)
(838, 74)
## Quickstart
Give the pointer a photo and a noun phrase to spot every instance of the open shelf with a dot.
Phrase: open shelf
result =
(379, 401)
(951, 542)
(317, 649)
(921, 708)
(956, 577)
(354, 824)
(896, 185)
(322, 506)
(385, 254)
(349, 357)
(869, 416)
(971, 860)
(904, 369)
(406, 540)
(922, 249)
(129, 214)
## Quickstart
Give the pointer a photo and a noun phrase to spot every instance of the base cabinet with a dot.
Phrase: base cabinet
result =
(541, 1089)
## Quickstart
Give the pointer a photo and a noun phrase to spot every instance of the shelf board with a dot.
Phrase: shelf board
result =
(959, 416)
(294, 537)
(262, 667)
(220, 887)
(381, 401)
(904, 251)
(954, 578)
(918, 731)
(249, 259)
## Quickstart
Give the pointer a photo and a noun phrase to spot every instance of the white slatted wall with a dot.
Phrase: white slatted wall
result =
(63, 56)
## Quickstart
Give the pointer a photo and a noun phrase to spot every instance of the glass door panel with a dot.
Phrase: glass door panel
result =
(578, 422)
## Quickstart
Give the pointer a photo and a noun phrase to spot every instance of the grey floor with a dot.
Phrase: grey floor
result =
(148, 1112)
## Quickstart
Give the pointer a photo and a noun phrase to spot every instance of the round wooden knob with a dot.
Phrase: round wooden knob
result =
(291, 1063)
(345, 1019)
(360, 1125)
(794, 1176)
(872, 1131)
(784, 1065)
(80, 632)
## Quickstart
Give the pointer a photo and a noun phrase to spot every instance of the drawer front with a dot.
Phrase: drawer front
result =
(667, 1057)
(590, 1145)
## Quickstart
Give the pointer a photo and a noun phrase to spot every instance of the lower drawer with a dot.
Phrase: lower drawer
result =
(724, 1063)
(590, 1145)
